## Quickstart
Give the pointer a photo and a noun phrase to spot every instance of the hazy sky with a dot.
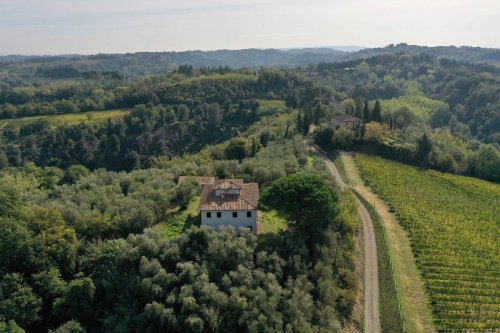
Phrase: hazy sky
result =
(93, 26)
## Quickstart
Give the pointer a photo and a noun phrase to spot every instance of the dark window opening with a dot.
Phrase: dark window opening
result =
(249, 214)
(235, 214)
(219, 214)
(249, 228)
(209, 215)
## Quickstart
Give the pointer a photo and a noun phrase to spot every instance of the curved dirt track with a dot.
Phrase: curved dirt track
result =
(371, 286)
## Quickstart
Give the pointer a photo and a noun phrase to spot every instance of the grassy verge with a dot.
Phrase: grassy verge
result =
(182, 220)
(339, 163)
(391, 316)
(273, 222)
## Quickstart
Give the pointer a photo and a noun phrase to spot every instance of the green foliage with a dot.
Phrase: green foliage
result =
(273, 221)
(10, 327)
(377, 112)
(309, 202)
(73, 173)
(17, 300)
(9, 204)
(69, 327)
(77, 301)
(421, 88)
(168, 118)
(487, 164)
(236, 149)
(330, 139)
(407, 109)
(424, 147)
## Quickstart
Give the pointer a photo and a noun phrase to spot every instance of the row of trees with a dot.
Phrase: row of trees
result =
(171, 89)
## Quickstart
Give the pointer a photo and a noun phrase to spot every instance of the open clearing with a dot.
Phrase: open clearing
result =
(68, 118)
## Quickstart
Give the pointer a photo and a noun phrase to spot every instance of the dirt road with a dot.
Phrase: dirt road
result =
(371, 286)
(414, 302)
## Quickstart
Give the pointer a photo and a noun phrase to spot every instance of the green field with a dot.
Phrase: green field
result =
(272, 103)
(69, 118)
(229, 76)
(454, 226)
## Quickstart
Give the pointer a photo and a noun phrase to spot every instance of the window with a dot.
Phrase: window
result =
(249, 228)
(235, 214)
(219, 215)
(249, 214)
(209, 215)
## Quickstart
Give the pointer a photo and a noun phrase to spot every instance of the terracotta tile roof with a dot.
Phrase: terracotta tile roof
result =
(247, 200)
(347, 118)
(229, 184)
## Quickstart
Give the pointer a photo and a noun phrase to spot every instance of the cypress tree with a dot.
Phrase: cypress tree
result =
(377, 112)
(358, 112)
(306, 122)
(366, 113)
(424, 148)
(299, 122)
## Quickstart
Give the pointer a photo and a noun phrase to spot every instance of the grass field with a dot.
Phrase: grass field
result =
(272, 103)
(69, 118)
(230, 76)
(454, 225)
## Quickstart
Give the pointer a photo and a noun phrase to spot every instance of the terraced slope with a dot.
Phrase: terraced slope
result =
(454, 226)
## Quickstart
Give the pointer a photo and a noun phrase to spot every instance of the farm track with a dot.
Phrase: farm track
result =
(414, 301)
(371, 284)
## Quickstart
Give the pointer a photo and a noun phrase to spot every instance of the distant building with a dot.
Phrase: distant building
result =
(346, 121)
(231, 202)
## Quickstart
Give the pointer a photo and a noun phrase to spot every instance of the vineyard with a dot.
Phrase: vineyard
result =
(453, 223)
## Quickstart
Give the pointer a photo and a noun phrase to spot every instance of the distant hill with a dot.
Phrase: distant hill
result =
(141, 63)
(461, 53)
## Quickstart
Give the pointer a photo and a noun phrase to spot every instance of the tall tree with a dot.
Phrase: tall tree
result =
(299, 121)
(306, 124)
(358, 113)
(366, 112)
(424, 148)
(377, 112)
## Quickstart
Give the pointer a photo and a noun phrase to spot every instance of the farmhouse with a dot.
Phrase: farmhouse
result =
(231, 202)
(346, 121)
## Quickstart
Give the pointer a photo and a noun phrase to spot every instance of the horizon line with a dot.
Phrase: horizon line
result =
(332, 47)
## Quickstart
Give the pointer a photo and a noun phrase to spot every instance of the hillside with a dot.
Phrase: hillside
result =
(143, 63)
(453, 227)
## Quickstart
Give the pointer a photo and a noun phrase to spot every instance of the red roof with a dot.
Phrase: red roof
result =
(248, 199)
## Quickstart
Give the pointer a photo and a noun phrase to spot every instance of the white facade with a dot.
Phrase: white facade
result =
(242, 220)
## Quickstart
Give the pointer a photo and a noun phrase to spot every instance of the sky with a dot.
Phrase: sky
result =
(117, 26)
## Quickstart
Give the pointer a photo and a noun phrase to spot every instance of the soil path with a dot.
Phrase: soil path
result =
(371, 285)
(414, 302)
